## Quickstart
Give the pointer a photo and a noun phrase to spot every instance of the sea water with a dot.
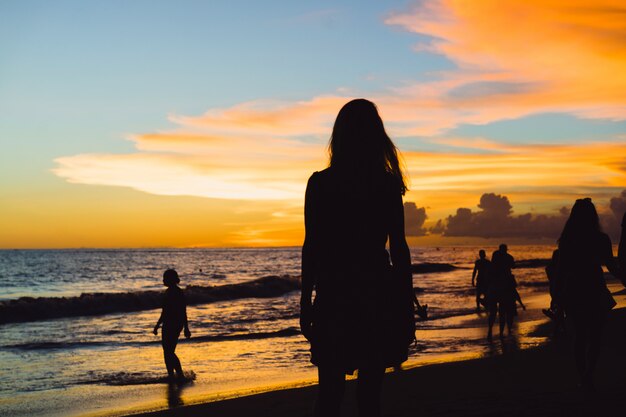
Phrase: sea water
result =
(244, 339)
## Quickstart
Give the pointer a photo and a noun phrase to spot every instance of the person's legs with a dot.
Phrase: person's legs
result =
(331, 387)
(594, 346)
(510, 313)
(502, 313)
(580, 343)
(167, 356)
(169, 342)
(493, 311)
(369, 386)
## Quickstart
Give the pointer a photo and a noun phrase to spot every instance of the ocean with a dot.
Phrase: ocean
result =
(76, 325)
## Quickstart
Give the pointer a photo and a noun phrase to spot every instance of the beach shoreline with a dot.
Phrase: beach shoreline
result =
(538, 381)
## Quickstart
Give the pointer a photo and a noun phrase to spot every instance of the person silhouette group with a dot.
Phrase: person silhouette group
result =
(498, 287)
(362, 317)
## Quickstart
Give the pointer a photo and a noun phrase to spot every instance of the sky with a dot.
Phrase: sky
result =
(194, 123)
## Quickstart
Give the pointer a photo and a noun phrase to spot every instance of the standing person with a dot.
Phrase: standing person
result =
(174, 319)
(581, 289)
(480, 277)
(502, 293)
(362, 317)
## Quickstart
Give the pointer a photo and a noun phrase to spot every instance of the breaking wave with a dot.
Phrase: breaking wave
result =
(91, 304)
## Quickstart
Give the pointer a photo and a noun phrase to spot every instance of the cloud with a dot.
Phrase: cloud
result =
(612, 218)
(562, 55)
(496, 219)
(414, 218)
(202, 164)
(543, 168)
(565, 57)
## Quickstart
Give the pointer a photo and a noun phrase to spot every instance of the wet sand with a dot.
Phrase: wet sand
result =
(533, 382)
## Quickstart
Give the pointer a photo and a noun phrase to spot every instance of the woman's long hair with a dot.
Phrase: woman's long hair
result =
(360, 143)
(582, 224)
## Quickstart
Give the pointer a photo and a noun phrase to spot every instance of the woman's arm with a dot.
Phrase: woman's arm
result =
(185, 322)
(609, 260)
(401, 255)
(308, 257)
(398, 248)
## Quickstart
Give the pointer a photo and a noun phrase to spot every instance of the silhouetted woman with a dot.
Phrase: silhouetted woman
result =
(362, 317)
(582, 290)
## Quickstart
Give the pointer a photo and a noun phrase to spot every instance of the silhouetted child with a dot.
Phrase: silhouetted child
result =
(480, 278)
(174, 319)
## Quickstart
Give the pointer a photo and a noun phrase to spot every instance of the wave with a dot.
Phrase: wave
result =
(132, 378)
(431, 267)
(534, 284)
(287, 332)
(27, 309)
(532, 263)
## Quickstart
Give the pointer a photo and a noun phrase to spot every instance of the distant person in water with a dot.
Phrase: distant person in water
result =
(581, 287)
(174, 320)
(502, 291)
(362, 317)
(480, 277)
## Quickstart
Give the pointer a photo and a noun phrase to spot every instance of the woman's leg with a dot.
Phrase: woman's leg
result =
(369, 386)
(493, 311)
(580, 343)
(593, 348)
(502, 313)
(332, 381)
(510, 314)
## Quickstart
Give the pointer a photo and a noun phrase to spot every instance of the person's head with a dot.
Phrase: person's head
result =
(503, 248)
(170, 278)
(359, 142)
(583, 220)
(482, 254)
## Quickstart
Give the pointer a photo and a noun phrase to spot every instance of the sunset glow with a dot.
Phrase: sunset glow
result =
(477, 99)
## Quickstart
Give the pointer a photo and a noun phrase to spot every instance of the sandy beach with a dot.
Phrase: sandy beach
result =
(532, 382)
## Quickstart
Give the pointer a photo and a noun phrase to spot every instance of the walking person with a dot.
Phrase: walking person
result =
(174, 320)
(480, 278)
(502, 292)
(362, 317)
(581, 288)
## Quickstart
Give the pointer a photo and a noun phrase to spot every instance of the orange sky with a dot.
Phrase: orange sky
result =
(235, 174)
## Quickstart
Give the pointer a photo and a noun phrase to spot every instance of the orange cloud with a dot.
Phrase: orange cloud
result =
(513, 59)
(203, 165)
(527, 56)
